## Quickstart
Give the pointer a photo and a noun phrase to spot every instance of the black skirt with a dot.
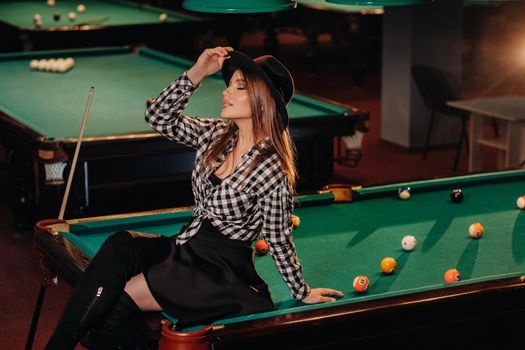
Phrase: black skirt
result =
(209, 278)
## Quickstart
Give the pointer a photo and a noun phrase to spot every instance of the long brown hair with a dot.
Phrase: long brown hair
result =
(266, 123)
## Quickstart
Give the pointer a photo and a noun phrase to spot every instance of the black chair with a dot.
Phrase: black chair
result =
(436, 91)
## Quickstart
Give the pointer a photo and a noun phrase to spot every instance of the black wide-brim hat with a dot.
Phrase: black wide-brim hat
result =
(273, 73)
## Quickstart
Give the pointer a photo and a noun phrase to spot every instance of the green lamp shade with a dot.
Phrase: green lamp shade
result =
(238, 6)
(324, 6)
(483, 2)
(379, 2)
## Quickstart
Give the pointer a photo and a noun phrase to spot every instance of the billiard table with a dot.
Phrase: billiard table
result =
(105, 22)
(41, 114)
(341, 237)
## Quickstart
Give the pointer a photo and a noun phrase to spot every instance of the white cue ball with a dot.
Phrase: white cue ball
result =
(33, 64)
(520, 202)
(72, 16)
(50, 2)
(81, 8)
(408, 243)
(163, 17)
(37, 16)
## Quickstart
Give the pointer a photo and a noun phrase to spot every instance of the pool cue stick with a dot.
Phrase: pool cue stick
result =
(93, 21)
(75, 156)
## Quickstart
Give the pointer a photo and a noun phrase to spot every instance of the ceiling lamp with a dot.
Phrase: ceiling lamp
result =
(379, 2)
(238, 6)
(324, 6)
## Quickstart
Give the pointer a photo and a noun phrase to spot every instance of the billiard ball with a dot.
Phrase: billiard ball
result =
(33, 64)
(520, 202)
(47, 65)
(476, 230)
(81, 8)
(149, 101)
(261, 247)
(408, 243)
(361, 283)
(56, 16)
(40, 64)
(52, 65)
(61, 66)
(456, 195)
(37, 19)
(50, 2)
(388, 265)
(295, 221)
(65, 64)
(72, 16)
(163, 17)
(452, 275)
(404, 193)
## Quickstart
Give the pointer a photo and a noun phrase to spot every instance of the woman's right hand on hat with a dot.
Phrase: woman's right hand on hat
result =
(209, 62)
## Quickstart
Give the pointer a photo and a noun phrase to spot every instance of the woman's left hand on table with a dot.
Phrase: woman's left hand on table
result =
(322, 295)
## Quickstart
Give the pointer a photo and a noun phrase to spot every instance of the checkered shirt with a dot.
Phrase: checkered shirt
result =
(245, 204)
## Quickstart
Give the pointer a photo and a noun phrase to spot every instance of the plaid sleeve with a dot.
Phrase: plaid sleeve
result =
(164, 115)
(277, 207)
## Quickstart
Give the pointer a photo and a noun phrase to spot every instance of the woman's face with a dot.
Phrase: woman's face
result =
(235, 100)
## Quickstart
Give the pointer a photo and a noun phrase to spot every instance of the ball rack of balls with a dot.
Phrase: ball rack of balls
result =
(55, 65)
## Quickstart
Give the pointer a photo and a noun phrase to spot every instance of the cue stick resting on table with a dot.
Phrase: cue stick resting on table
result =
(75, 157)
(93, 21)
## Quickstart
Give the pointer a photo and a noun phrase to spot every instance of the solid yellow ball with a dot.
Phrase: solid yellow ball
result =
(388, 265)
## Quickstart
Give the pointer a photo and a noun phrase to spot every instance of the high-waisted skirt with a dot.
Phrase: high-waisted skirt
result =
(208, 278)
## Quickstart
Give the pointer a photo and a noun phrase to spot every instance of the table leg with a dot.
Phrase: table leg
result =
(36, 317)
(25, 42)
(514, 145)
(476, 132)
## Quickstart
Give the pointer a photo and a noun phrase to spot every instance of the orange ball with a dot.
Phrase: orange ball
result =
(520, 202)
(476, 230)
(452, 275)
(295, 221)
(388, 265)
(361, 283)
(261, 247)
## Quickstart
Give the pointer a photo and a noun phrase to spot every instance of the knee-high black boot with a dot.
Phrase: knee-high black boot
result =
(97, 291)
(116, 332)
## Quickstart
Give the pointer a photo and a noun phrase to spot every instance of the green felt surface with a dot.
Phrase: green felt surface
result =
(337, 242)
(53, 104)
(20, 13)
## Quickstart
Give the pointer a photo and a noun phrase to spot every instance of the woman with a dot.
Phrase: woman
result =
(243, 182)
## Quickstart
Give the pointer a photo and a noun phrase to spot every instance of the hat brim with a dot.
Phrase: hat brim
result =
(238, 60)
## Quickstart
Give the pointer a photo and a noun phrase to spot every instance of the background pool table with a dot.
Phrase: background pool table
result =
(123, 164)
(338, 241)
(105, 22)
